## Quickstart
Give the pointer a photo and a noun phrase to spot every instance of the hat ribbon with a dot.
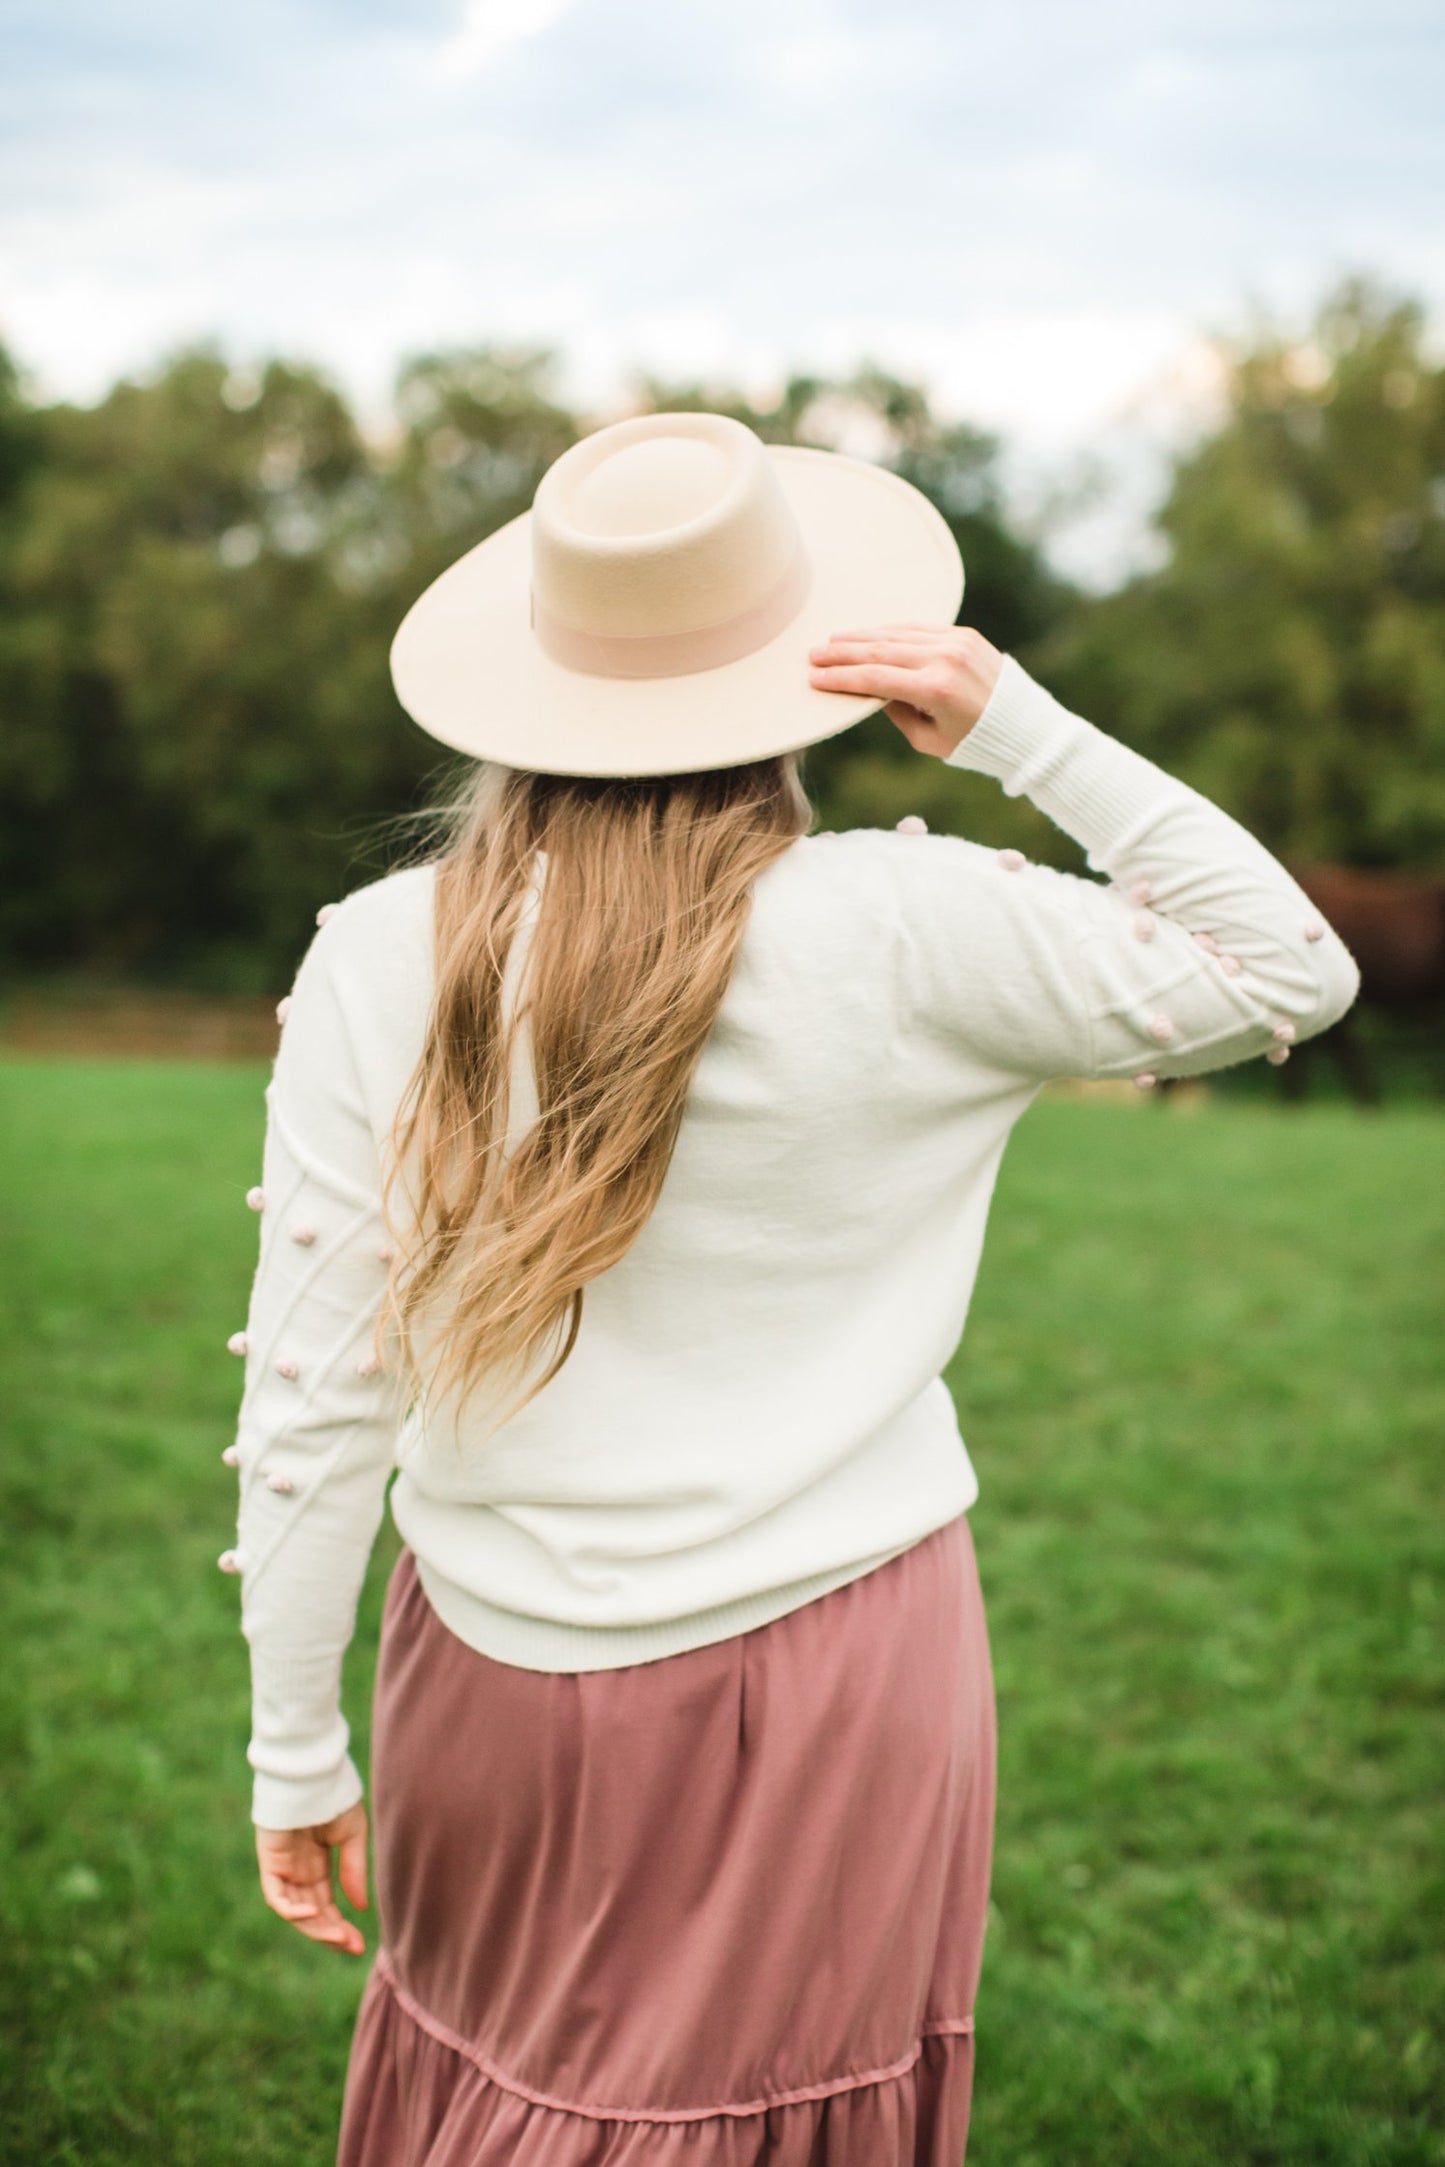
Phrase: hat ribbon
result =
(677, 654)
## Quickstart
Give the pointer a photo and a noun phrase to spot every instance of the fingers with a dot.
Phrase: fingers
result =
(898, 624)
(870, 680)
(333, 1931)
(295, 1900)
(931, 636)
(352, 1867)
(296, 1883)
(890, 647)
(896, 651)
(312, 1909)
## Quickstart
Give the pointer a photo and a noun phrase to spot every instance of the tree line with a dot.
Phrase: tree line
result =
(200, 576)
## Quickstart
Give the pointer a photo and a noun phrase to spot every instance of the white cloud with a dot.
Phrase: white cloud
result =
(1036, 209)
(820, 63)
(489, 28)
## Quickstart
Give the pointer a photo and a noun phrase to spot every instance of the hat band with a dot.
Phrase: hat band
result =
(677, 654)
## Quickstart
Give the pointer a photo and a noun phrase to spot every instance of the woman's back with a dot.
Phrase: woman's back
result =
(753, 1410)
(753, 1400)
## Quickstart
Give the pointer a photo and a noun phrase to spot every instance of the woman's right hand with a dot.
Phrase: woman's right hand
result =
(296, 1878)
(932, 681)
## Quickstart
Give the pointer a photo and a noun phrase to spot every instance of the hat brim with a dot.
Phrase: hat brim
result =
(468, 667)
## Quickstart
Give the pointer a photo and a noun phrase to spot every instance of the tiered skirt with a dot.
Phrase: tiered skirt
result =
(722, 1908)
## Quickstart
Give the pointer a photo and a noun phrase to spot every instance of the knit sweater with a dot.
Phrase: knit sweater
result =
(753, 1412)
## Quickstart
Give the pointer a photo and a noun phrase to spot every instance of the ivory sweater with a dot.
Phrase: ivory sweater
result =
(753, 1412)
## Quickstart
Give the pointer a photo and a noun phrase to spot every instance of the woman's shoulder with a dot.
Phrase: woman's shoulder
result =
(932, 889)
(856, 897)
(901, 860)
(399, 889)
(401, 899)
(376, 935)
(913, 860)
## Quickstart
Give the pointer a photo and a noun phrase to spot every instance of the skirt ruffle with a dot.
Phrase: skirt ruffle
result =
(422, 2098)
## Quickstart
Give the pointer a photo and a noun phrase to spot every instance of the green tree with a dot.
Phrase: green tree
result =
(1288, 656)
(173, 670)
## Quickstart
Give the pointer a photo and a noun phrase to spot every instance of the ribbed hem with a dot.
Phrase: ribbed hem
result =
(1099, 791)
(531, 1643)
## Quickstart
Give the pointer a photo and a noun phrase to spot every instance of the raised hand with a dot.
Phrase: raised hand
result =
(932, 681)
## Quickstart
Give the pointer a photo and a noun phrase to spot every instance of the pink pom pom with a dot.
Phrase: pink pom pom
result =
(1315, 931)
(1012, 861)
(281, 1484)
(1285, 1033)
(386, 1253)
(326, 911)
(912, 824)
(368, 1366)
(1144, 925)
(238, 1343)
(283, 1008)
(229, 1561)
(231, 1457)
(1277, 1054)
(1231, 965)
(1208, 943)
(305, 1235)
(1145, 1081)
(1162, 1029)
(287, 1368)
(1142, 892)
(256, 1198)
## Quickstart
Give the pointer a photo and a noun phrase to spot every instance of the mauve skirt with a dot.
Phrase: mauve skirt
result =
(718, 1908)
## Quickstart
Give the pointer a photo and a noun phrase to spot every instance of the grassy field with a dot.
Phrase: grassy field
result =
(1203, 1383)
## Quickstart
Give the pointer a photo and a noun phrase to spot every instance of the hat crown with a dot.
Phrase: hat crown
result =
(660, 526)
(649, 486)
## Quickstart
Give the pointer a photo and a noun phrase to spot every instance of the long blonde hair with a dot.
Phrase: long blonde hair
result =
(644, 899)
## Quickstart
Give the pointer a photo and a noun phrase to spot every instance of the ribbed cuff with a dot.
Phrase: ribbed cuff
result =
(1015, 725)
(1098, 790)
(299, 1740)
(278, 1802)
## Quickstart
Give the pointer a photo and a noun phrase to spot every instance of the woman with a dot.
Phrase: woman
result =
(626, 1169)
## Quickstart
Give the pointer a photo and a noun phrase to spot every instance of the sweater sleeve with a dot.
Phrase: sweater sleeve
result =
(1200, 951)
(316, 1433)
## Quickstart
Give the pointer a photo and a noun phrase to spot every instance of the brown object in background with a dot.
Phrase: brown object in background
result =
(107, 1020)
(1394, 926)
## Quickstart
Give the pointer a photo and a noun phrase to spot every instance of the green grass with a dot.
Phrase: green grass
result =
(1203, 1386)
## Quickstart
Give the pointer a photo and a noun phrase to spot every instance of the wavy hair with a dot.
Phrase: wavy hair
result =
(640, 895)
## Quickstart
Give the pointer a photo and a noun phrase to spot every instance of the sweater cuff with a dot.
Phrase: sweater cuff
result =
(299, 1739)
(280, 1803)
(1095, 788)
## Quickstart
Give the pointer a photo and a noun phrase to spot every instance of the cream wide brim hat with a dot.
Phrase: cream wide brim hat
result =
(654, 611)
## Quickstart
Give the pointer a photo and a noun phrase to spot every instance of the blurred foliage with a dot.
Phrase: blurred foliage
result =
(1288, 658)
(200, 577)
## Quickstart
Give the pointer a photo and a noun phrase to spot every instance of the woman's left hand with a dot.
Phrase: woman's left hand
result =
(296, 1876)
(932, 681)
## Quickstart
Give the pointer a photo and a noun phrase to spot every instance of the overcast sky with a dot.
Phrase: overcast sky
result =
(1039, 207)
